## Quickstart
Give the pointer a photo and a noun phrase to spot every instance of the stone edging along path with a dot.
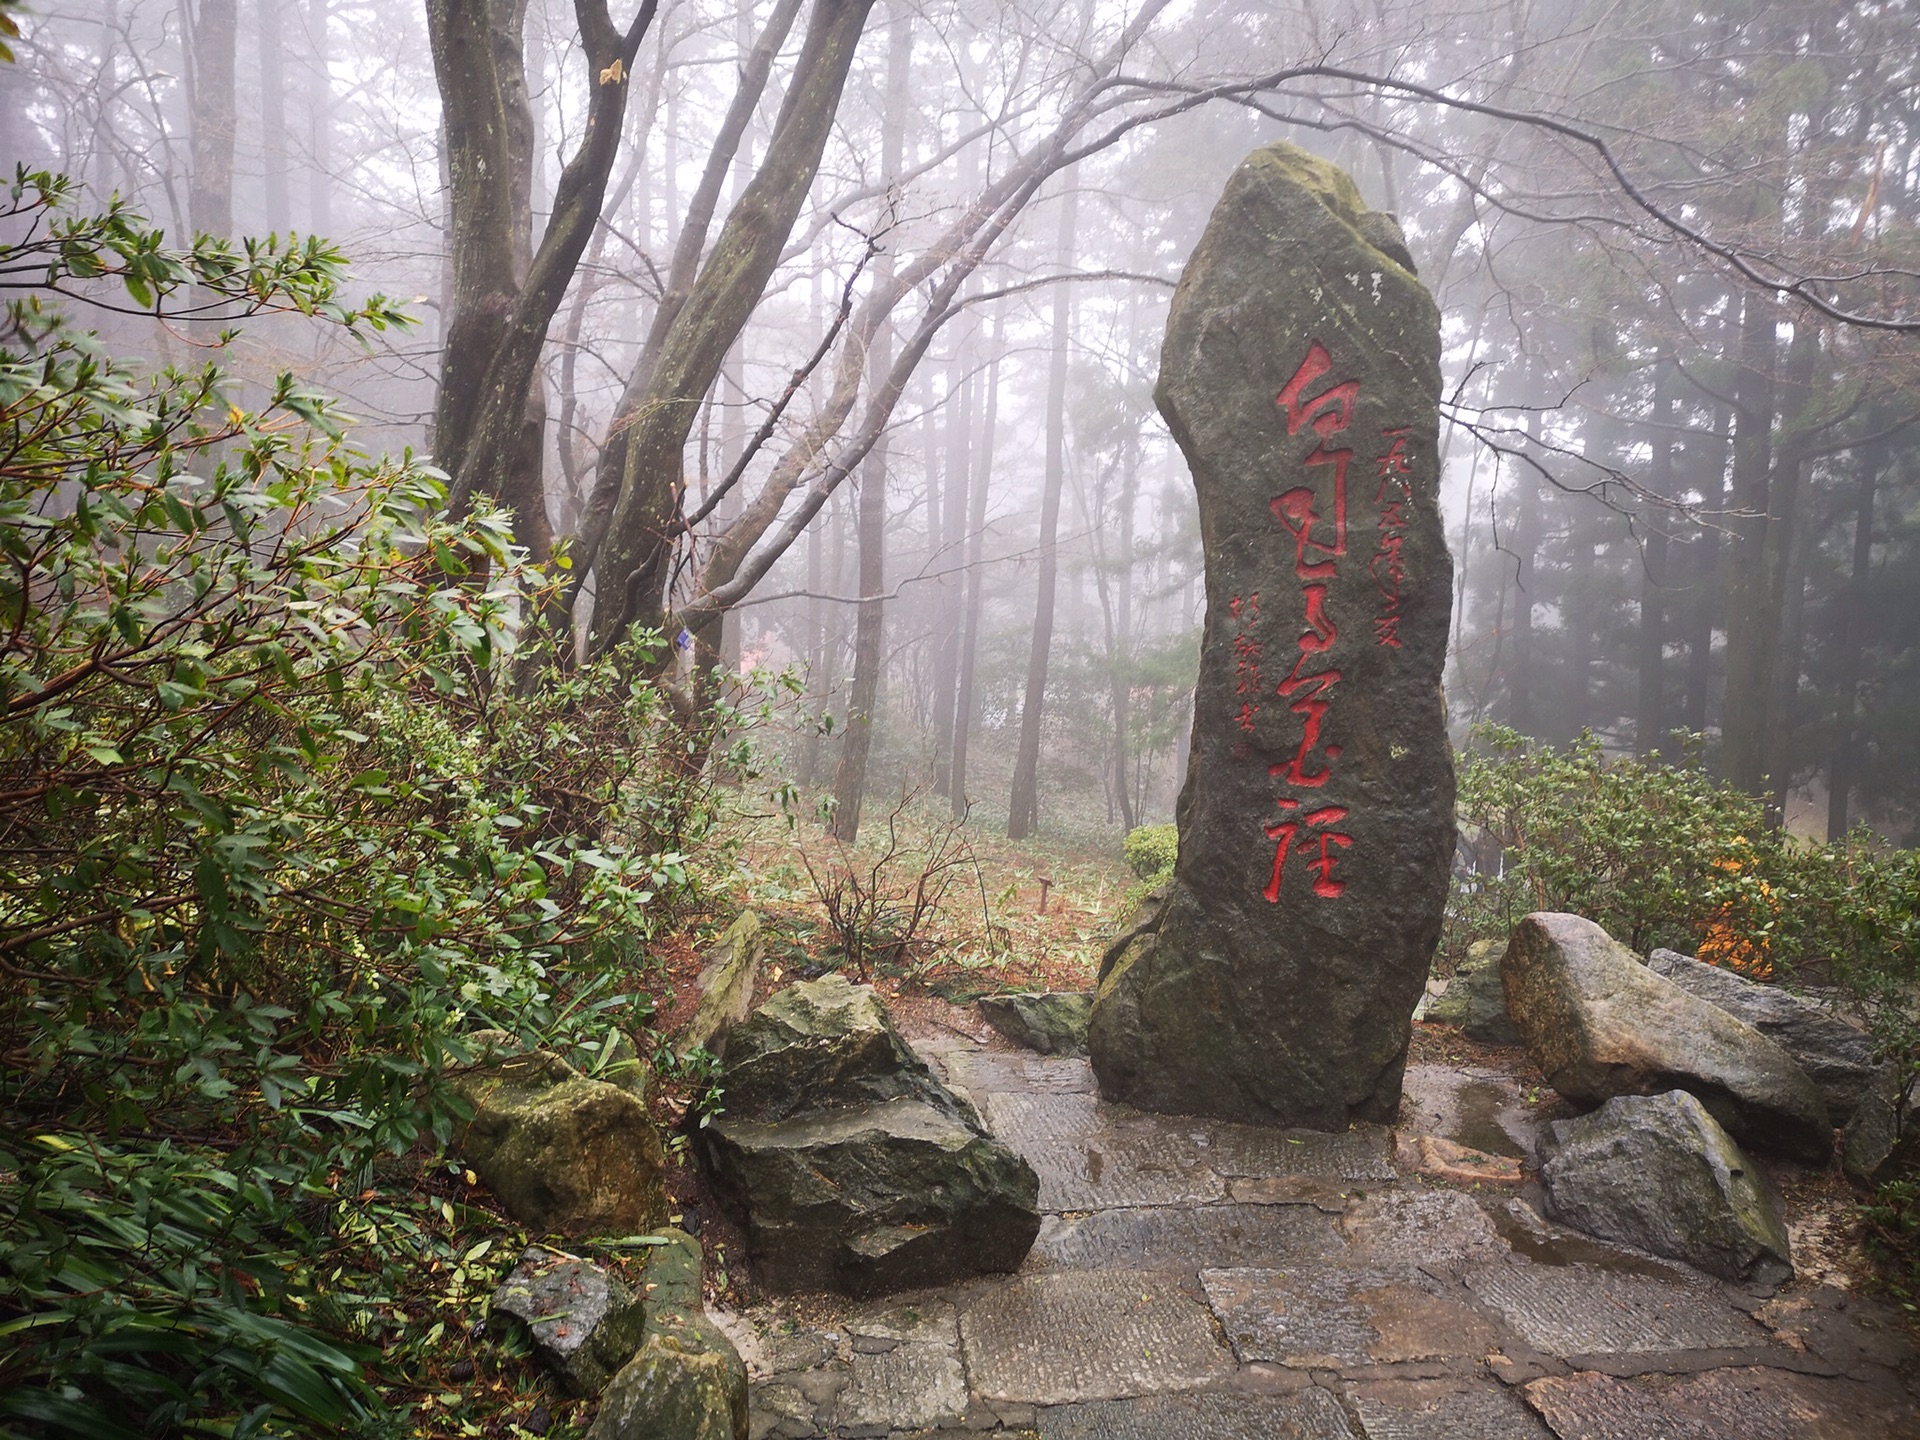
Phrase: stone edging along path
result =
(1200, 1280)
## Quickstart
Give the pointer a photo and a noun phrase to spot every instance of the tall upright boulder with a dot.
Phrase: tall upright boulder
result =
(1300, 376)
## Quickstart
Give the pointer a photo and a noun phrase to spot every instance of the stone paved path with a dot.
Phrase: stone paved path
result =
(1196, 1280)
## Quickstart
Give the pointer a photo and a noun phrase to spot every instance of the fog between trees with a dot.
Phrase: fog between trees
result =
(842, 356)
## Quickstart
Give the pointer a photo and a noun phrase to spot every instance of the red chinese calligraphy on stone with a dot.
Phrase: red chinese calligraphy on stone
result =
(1297, 515)
(1315, 824)
(1311, 705)
(1247, 651)
(1341, 397)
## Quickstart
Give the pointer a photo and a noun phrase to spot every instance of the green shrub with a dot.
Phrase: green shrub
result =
(1664, 855)
(1150, 851)
(284, 809)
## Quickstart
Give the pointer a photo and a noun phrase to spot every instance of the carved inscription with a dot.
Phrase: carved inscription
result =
(1306, 835)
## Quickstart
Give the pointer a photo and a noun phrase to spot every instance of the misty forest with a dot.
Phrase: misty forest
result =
(534, 533)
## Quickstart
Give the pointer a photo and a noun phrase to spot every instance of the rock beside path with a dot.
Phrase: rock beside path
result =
(584, 1323)
(1883, 1138)
(1476, 998)
(732, 965)
(1601, 1024)
(686, 1382)
(1051, 1022)
(853, 1168)
(563, 1153)
(1837, 1056)
(1659, 1173)
(821, 1044)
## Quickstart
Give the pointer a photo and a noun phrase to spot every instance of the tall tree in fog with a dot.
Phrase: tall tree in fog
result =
(850, 780)
(1023, 808)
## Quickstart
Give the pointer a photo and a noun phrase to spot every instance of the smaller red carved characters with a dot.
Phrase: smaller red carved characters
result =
(1246, 659)
(1316, 825)
(1387, 566)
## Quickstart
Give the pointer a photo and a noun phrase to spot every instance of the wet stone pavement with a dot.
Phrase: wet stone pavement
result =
(1197, 1280)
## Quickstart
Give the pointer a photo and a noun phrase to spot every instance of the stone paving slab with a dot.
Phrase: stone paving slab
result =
(1421, 1227)
(1471, 1106)
(1574, 1310)
(1142, 1334)
(1363, 1153)
(1171, 1237)
(913, 1385)
(1443, 1410)
(1308, 1414)
(981, 1071)
(1322, 1317)
(1129, 1161)
(1733, 1404)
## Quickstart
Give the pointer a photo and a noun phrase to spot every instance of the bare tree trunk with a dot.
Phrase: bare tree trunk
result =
(211, 35)
(1521, 713)
(1703, 557)
(491, 412)
(1023, 807)
(975, 578)
(1121, 663)
(947, 592)
(850, 780)
(1650, 720)
(1750, 640)
(319, 124)
(1847, 645)
(273, 115)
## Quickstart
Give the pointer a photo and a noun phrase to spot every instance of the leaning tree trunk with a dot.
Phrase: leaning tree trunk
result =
(1023, 806)
(640, 532)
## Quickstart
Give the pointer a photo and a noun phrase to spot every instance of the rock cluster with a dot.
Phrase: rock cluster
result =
(1837, 1056)
(663, 1370)
(1476, 999)
(583, 1322)
(1599, 1023)
(852, 1166)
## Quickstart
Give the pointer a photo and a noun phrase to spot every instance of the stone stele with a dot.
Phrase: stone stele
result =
(1300, 375)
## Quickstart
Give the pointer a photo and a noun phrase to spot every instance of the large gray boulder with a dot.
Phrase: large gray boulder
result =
(852, 1167)
(584, 1322)
(1837, 1056)
(564, 1154)
(874, 1198)
(1053, 1022)
(686, 1381)
(1659, 1173)
(1600, 1024)
(1300, 376)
